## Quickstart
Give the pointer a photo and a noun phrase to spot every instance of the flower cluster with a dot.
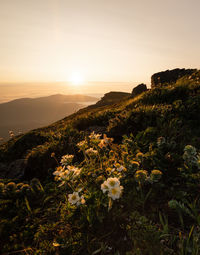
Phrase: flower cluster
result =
(82, 145)
(112, 186)
(94, 136)
(141, 176)
(75, 199)
(66, 160)
(65, 173)
(190, 156)
(105, 141)
(91, 152)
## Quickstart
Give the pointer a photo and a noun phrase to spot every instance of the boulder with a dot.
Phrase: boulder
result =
(139, 89)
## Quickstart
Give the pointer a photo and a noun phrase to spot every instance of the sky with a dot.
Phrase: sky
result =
(96, 40)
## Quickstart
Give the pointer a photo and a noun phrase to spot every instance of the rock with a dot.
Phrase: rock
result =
(169, 76)
(15, 170)
(112, 97)
(139, 89)
(3, 170)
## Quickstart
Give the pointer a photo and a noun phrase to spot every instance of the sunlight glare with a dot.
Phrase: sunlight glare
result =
(76, 79)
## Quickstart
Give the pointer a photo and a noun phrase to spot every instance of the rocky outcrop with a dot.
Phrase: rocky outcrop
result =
(139, 89)
(111, 98)
(15, 170)
(169, 76)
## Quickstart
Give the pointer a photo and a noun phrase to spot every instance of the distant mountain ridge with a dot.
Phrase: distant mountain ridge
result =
(28, 113)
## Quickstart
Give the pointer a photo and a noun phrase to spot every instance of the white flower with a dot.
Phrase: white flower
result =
(113, 182)
(66, 159)
(64, 175)
(75, 171)
(59, 171)
(115, 192)
(82, 144)
(73, 198)
(91, 151)
(112, 185)
(94, 136)
(104, 186)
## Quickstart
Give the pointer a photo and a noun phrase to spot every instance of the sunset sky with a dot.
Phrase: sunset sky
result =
(96, 40)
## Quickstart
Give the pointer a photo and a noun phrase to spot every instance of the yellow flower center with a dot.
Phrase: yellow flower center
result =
(112, 183)
(114, 191)
(73, 197)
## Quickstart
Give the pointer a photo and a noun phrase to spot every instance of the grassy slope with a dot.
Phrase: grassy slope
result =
(156, 109)
(139, 221)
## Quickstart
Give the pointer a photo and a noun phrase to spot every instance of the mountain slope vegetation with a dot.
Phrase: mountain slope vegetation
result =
(130, 173)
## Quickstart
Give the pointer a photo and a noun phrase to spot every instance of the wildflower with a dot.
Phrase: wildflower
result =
(91, 151)
(125, 155)
(58, 171)
(113, 182)
(25, 188)
(139, 156)
(104, 186)
(134, 164)
(66, 159)
(191, 157)
(112, 185)
(115, 192)
(141, 176)
(160, 141)
(99, 178)
(74, 170)
(119, 167)
(81, 201)
(110, 170)
(55, 244)
(156, 175)
(73, 198)
(19, 185)
(94, 136)
(190, 150)
(82, 144)
(52, 154)
(105, 141)
(11, 186)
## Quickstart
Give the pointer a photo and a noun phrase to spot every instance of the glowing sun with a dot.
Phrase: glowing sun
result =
(76, 79)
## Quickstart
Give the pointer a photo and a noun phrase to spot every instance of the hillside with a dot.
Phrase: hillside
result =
(136, 182)
(28, 113)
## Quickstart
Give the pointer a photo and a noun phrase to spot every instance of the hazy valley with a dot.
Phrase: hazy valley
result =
(24, 114)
